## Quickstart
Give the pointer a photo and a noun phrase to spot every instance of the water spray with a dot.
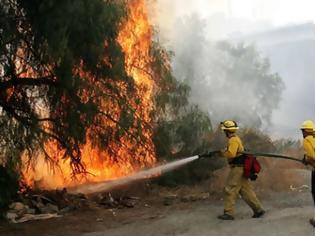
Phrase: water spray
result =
(144, 174)
(158, 170)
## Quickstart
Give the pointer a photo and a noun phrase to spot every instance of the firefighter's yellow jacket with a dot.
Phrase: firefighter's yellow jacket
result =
(234, 147)
(309, 149)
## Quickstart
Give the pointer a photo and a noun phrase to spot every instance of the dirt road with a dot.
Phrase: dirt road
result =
(287, 214)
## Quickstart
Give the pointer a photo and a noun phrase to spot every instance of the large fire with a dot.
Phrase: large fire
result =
(135, 38)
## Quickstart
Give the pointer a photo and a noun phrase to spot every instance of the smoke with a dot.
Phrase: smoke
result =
(191, 28)
(227, 81)
(292, 55)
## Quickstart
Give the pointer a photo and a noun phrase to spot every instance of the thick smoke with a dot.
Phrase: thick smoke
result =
(227, 81)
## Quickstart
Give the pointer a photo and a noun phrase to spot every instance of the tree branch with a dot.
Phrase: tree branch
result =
(29, 82)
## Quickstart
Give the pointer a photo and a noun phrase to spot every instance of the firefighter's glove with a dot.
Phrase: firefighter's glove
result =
(304, 161)
(202, 155)
(209, 154)
(205, 155)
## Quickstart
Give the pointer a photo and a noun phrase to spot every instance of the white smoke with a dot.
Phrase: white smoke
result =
(200, 62)
(191, 28)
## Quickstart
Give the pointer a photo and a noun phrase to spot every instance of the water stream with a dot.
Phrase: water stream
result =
(144, 174)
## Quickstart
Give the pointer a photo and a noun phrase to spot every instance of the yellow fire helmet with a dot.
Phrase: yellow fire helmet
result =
(308, 126)
(229, 125)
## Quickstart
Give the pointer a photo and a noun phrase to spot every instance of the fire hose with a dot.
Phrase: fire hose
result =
(258, 154)
(273, 155)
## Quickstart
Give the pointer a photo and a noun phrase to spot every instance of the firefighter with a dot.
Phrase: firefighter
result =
(236, 184)
(307, 129)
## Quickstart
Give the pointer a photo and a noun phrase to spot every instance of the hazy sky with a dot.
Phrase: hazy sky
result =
(278, 12)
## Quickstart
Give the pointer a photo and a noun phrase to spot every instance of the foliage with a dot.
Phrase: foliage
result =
(283, 145)
(181, 128)
(188, 134)
(256, 140)
(60, 60)
(249, 75)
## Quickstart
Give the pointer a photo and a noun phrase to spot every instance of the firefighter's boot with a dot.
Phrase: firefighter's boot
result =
(259, 214)
(225, 217)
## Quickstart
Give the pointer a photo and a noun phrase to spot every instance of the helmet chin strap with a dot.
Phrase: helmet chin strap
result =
(229, 134)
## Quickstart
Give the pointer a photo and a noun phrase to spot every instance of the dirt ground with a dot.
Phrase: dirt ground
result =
(288, 213)
(284, 217)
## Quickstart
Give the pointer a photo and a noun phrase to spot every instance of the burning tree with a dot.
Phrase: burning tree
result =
(83, 89)
(68, 87)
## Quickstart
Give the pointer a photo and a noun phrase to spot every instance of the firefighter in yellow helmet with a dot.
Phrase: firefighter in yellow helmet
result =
(307, 129)
(236, 184)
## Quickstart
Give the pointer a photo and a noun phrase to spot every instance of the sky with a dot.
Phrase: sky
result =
(279, 12)
(275, 12)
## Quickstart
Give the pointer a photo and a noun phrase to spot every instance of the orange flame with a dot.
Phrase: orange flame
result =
(135, 38)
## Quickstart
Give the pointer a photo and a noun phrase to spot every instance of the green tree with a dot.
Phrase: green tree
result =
(255, 90)
(255, 140)
(181, 129)
(60, 61)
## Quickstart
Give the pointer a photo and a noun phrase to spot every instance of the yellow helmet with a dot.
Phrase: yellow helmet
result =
(308, 125)
(229, 125)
